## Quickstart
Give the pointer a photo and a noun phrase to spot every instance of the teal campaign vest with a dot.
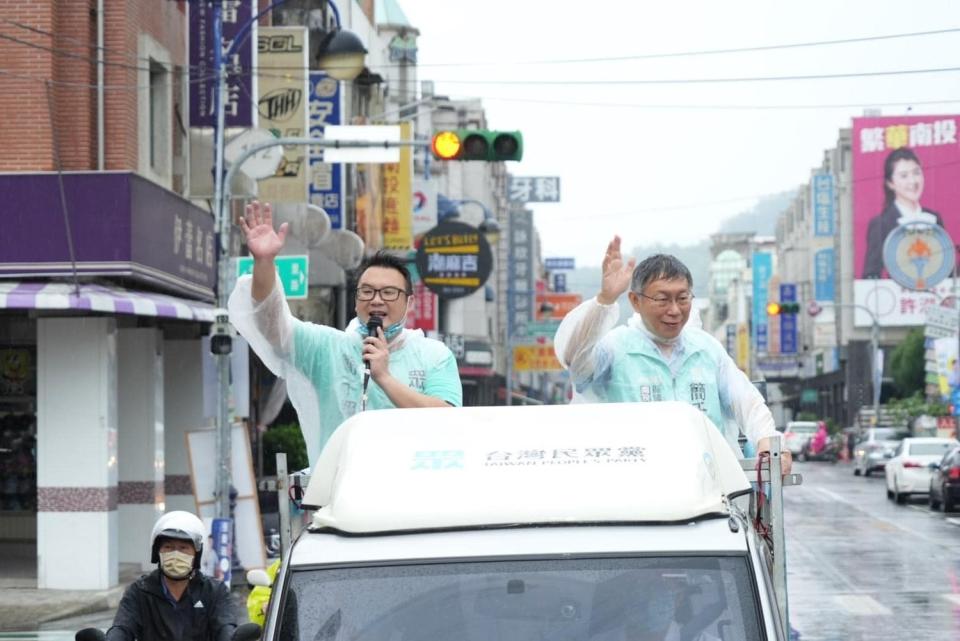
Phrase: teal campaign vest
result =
(638, 372)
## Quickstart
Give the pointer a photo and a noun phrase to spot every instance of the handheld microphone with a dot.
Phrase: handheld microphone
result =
(373, 324)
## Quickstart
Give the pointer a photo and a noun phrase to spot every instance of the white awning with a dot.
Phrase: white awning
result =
(100, 298)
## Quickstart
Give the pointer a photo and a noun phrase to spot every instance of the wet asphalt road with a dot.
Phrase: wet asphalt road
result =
(861, 567)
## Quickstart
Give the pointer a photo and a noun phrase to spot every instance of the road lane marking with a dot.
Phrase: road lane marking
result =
(953, 598)
(861, 605)
(899, 526)
(953, 520)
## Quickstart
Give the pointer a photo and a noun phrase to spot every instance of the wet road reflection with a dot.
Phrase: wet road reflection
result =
(861, 567)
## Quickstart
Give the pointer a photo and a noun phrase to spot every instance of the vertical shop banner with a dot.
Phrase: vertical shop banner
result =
(422, 305)
(788, 322)
(424, 207)
(823, 275)
(904, 170)
(822, 199)
(762, 270)
(397, 197)
(238, 106)
(325, 189)
(520, 287)
(369, 220)
(282, 106)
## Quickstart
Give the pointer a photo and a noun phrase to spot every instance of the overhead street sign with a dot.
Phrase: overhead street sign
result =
(293, 273)
(553, 264)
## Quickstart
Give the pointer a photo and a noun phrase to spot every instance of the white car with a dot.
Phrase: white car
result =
(908, 472)
(560, 522)
(796, 435)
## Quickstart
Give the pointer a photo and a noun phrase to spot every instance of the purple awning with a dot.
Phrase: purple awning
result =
(100, 298)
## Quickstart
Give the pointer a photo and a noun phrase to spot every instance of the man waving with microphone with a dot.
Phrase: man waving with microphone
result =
(375, 363)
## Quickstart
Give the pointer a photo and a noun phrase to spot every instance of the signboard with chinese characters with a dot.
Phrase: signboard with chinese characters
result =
(396, 194)
(554, 264)
(535, 358)
(904, 171)
(520, 272)
(822, 185)
(823, 275)
(556, 305)
(325, 189)
(282, 107)
(454, 260)
(534, 189)
(893, 305)
(788, 322)
(422, 305)
(762, 271)
(560, 282)
(238, 107)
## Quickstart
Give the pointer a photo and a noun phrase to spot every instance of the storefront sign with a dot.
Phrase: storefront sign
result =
(454, 260)
(556, 305)
(131, 228)
(520, 288)
(397, 191)
(893, 305)
(534, 189)
(762, 270)
(822, 205)
(238, 110)
(282, 106)
(535, 358)
(325, 189)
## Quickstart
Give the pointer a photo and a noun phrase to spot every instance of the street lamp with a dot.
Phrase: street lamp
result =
(341, 53)
(490, 228)
(340, 49)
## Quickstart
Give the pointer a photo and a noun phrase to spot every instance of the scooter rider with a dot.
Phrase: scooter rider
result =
(175, 601)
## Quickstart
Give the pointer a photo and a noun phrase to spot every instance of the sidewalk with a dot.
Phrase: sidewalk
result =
(24, 606)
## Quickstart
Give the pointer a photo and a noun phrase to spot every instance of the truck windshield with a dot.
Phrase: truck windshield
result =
(586, 599)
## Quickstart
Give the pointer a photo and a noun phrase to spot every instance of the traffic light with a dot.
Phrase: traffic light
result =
(782, 309)
(477, 144)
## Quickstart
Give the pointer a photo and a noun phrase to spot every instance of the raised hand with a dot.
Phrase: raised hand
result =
(616, 274)
(257, 226)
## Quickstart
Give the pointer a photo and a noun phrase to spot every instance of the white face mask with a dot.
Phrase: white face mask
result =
(176, 565)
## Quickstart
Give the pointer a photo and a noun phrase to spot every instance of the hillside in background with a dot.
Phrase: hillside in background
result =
(760, 219)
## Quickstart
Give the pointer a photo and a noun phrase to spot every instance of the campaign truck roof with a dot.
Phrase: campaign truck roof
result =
(441, 468)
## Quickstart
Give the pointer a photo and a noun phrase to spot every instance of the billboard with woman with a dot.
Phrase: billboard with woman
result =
(905, 169)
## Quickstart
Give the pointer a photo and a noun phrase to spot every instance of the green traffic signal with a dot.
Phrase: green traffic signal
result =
(477, 144)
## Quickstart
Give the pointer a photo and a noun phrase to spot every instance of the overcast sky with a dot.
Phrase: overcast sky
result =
(667, 162)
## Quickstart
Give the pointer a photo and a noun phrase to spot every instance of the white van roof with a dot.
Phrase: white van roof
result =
(440, 468)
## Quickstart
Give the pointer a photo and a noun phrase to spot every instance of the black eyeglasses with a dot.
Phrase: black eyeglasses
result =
(387, 294)
(682, 300)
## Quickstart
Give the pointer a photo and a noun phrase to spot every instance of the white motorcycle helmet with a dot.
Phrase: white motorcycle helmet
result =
(178, 525)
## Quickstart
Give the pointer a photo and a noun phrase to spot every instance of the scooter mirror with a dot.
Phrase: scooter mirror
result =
(90, 634)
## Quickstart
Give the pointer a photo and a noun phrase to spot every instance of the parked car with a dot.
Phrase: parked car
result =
(945, 481)
(877, 446)
(908, 472)
(797, 433)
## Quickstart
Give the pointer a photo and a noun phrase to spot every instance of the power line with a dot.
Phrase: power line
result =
(710, 52)
(690, 81)
(730, 107)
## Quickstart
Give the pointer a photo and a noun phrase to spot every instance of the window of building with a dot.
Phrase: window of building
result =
(159, 117)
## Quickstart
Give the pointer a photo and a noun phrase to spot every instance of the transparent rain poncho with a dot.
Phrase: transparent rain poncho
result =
(323, 365)
(592, 347)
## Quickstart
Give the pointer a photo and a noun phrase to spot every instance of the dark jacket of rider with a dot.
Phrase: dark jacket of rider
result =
(147, 612)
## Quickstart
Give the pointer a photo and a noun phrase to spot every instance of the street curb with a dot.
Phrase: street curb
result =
(21, 608)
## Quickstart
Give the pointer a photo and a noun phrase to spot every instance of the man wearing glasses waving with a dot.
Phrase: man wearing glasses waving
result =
(655, 356)
(324, 366)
